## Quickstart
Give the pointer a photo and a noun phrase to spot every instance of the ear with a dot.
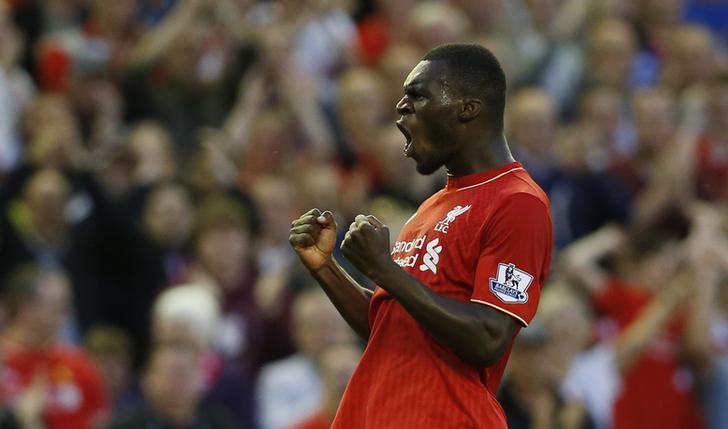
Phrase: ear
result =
(469, 109)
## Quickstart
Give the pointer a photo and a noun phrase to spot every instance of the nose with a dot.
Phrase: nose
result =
(403, 106)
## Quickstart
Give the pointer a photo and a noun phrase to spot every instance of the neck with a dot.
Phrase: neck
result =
(479, 157)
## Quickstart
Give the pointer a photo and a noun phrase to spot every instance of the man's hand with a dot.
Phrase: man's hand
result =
(366, 245)
(313, 237)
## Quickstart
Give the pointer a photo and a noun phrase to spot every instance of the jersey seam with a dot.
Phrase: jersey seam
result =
(515, 316)
(489, 180)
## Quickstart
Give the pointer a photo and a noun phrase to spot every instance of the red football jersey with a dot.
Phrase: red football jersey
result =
(76, 393)
(484, 238)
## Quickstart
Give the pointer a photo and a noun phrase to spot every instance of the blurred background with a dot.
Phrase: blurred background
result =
(154, 152)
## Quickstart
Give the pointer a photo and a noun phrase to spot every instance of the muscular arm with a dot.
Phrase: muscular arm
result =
(351, 299)
(313, 237)
(476, 333)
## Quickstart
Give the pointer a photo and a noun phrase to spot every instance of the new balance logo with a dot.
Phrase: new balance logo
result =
(432, 257)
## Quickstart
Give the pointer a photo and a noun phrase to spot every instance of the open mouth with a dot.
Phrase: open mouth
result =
(408, 138)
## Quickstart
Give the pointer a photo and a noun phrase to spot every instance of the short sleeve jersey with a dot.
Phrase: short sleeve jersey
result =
(484, 238)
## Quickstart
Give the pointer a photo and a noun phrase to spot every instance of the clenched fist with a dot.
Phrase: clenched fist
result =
(366, 245)
(313, 236)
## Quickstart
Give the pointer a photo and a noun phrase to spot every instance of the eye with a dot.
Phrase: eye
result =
(414, 95)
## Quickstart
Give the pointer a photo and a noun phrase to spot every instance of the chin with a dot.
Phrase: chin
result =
(427, 169)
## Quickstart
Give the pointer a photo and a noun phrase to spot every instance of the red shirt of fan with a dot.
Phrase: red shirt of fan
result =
(76, 395)
(657, 391)
(484, 238)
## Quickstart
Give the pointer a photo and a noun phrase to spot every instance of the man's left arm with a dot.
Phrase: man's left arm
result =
(477, 333)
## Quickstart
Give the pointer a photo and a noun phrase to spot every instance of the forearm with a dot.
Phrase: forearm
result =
(349, 298)
(471, 332)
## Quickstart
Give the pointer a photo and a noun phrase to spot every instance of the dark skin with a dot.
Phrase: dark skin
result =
(446, 128)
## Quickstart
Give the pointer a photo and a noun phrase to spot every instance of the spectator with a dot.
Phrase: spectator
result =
(183, 72)
(707, 322)
(53, 134)
(290, 390)
(434, 23)
(546, 54)
(582, 199)
(324, 43)
(184, 373)
(362, 114)
(152, 147)
(382, 28)
(656, 21)
(172, 388)
(532, 129)
(585, 371)
(338, 362)
(394, 66)
(690, 63)
(612, 46)
(38, 232)
(112, 351)
(655, 117)
(67, 390)
(594, 377)
(529, 393)
(16, 91)
(602, 107)
(275, 198)
(710, 169)
(646, 265)
(223, 257)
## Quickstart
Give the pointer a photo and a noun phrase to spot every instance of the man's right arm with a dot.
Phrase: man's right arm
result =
(313, 237)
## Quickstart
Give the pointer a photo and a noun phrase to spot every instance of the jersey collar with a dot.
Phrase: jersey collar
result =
(482, 177)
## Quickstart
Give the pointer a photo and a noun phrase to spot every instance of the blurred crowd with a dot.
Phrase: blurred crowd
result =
(154, 152)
